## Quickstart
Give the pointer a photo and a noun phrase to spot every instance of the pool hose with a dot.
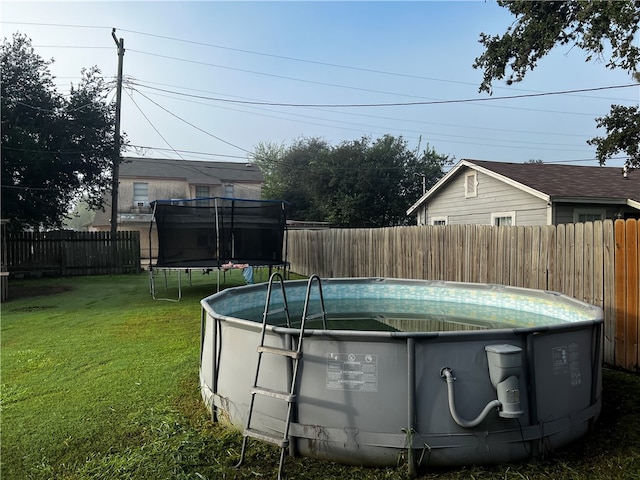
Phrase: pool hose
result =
(447, 374)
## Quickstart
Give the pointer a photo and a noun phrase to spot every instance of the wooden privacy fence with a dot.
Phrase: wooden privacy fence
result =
(72, 253)
(594, 262)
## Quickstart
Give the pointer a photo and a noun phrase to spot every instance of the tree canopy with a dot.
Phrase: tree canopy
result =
(358, 183)
(55, 148)
(606, 30)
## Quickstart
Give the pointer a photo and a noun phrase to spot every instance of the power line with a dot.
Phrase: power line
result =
(192, 125)
(372, 129)
(65, 25)
(392, 104)
(327, 64)
(263, 54)
(40, 189)
(188, 151)
(273, 75)
(477, 127)
(153, 126)
(87, 47)
(432, 136)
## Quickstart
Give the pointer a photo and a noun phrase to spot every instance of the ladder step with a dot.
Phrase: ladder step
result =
(277, 310)
(285, 352)
(286, 396)
(274, 438)
(315, 315)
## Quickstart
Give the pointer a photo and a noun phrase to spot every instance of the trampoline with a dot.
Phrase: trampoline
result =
(217, 233)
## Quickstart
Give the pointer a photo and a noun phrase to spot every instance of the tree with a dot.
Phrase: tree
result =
(597, 27)
(359, 183)
(291, 174)
(55, 150)
(623, 135)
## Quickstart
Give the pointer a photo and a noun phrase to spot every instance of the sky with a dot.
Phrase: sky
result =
(201, 78)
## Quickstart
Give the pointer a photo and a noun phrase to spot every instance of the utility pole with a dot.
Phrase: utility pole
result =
(116, 154)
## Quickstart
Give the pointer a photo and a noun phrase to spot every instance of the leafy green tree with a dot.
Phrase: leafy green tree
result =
(359, 183)
(55, 150)
(623, 134)
(606, 30)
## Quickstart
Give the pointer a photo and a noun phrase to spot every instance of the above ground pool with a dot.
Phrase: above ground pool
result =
(410, 371)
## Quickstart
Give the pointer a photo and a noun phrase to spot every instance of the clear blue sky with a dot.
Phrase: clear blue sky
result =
(319, 53)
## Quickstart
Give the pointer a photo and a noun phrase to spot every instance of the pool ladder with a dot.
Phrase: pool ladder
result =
(294, 353)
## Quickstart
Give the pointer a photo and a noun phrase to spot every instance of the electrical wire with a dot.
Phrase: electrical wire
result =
(372, 129)
(188, 151)
(378, 117)
(391, 104)
(268, 55)
(153, 126)
(193, 125)
(273, 75)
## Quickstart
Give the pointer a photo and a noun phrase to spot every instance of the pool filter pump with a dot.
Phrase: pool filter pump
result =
(505, 366)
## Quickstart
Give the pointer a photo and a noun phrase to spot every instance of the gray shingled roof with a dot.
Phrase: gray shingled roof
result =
(194, 172)
(569, 180)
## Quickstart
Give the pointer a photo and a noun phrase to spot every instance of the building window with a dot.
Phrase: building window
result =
(503, 219)
(581, 215)
(228, 190)
(140, 194)
(202, 191)
(439, 221)
(471, 185)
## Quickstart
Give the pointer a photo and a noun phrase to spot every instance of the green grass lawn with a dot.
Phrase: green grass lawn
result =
(99, 381)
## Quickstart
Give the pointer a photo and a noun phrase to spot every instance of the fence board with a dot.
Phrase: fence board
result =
(598, 265)
(608, 252)
(551, 256)
(587, 284)
(578, 258)
(561, 261)
(631, 310)
(569, 272)
(620, 293)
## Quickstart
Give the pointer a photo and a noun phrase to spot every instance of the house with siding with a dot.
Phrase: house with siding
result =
(502, 193)
(143, 180)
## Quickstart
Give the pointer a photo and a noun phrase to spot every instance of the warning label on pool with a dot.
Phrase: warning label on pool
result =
(352, 371)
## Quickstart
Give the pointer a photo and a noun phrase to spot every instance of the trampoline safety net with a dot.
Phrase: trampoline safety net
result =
(210, 232)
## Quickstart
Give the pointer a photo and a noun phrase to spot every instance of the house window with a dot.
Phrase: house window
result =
(439, 221)
(471, 185)
(503, 219)
(581, 215)
(140, 194)
(228, 190)
(202, 191)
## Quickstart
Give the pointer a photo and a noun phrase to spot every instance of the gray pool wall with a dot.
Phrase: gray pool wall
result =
(395, 408)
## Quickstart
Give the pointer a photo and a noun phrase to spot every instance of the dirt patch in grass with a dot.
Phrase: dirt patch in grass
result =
(25, 291)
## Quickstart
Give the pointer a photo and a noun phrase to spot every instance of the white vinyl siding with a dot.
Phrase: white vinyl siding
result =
(492, 195)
